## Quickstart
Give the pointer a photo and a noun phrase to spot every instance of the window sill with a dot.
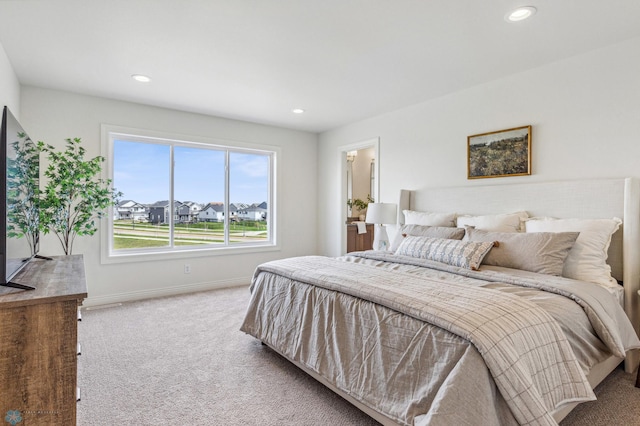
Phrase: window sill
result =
(131, 257)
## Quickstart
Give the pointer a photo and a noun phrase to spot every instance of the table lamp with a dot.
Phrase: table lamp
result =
(380, 214)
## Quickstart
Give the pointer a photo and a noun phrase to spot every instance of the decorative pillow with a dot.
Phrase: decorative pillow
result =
(541, 252)
(496, 222)
(426, 231)
(465, 254)
(412, 217)
(587, 260)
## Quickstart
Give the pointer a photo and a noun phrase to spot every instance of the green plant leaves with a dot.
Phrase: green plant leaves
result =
(74, 195)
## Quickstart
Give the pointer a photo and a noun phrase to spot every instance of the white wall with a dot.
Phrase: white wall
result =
(584, 110)
(52, 116)
(9, 85)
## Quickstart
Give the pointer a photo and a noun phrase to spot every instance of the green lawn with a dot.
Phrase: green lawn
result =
(120, 243)
(144, 235)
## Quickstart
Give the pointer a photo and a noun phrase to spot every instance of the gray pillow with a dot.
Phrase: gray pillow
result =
(426, 231)
(541, 252)
(464, 254)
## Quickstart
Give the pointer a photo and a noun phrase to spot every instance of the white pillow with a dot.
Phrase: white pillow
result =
(496, 222)
(412, 217)
(587, 259)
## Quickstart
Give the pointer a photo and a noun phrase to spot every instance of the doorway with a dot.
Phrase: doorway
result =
(359, 183)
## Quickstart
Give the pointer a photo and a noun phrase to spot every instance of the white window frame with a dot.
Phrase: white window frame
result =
(107, 255)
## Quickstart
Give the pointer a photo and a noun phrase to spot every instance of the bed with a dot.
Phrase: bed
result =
(468, 338)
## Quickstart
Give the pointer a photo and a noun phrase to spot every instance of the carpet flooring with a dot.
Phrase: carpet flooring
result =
(182, 360)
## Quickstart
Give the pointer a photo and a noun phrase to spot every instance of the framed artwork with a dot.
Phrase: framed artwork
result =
(499, 154)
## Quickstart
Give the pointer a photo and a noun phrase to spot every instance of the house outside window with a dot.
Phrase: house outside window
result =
(186, 194)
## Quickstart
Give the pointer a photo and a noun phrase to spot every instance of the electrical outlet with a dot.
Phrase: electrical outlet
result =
(187, 268)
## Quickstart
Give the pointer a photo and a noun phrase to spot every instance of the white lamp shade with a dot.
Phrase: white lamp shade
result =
(381, 213)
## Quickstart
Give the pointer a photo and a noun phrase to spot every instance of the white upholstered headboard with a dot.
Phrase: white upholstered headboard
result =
(598, 198)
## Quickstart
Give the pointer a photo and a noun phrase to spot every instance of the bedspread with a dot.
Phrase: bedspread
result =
(609, 320)
(529, 386)
(524, 348)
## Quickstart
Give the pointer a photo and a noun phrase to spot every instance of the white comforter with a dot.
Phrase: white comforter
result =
(534, 374)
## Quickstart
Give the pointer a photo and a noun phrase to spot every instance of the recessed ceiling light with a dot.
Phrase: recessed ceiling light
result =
(520, 14)
(297, 110)
(141, 78)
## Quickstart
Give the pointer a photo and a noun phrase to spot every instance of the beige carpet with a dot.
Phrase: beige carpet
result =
(182, 360)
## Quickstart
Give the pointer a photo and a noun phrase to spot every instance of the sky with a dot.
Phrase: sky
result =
(497, 136)
(142, 171)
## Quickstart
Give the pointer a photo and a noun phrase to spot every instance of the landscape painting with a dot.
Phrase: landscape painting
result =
(499, 154)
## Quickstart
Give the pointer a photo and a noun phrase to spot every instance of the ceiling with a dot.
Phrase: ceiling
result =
(255, 60)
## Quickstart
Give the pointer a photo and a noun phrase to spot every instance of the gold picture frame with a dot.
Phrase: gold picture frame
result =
(499, 154)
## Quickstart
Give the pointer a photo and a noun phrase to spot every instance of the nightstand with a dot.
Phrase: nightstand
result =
(359, 242)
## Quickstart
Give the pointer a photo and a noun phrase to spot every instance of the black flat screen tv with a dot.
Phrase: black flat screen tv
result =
(19, 186)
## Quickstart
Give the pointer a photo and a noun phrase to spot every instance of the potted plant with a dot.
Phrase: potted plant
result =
(359, 205)
(73, 197)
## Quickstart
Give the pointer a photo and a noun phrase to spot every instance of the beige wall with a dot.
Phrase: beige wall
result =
(584, 111)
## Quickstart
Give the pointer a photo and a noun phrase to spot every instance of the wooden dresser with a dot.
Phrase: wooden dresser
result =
(39, 342)
(359, 242)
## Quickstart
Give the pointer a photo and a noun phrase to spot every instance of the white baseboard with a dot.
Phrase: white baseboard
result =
(165, 291)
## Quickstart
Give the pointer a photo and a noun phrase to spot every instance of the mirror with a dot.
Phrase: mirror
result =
(361, 176)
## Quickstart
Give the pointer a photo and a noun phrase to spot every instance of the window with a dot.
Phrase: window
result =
(190, 195)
